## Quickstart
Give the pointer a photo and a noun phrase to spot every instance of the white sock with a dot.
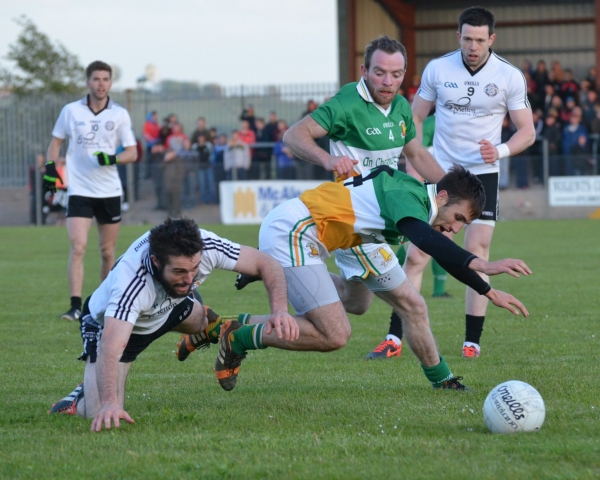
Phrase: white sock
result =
(396, 340)
(471, 344)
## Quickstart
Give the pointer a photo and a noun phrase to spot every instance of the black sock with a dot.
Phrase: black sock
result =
(474, 327)
(76, 302)
(395, 325)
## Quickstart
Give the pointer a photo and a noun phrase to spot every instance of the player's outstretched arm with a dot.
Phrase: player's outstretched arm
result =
(255, 263)
(300, 139)
(511, 266)
(506, 300)
(115, 336)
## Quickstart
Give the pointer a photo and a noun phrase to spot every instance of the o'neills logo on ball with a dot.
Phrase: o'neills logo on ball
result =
(491, 90)
(109, 125)
(513, 405)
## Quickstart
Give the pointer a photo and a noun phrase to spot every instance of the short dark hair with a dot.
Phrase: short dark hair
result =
(175, 238)
(463, 185)
(477, 17)
(97, 66)
(387, 45)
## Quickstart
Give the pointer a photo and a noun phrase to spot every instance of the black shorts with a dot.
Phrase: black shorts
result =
(106, 210)
(91, 332)
(490, 185)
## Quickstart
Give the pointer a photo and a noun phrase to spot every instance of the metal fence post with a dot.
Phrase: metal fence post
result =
(546, 164)
(38, 195)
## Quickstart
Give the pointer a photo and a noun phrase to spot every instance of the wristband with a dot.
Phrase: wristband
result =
(503, 151)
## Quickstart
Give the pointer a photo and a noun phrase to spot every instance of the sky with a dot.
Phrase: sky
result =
(229, 42)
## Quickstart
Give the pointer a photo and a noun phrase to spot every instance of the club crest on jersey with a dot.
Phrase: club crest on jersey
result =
(491, 90)
(386, 257)
(402, 126)
(312, 249)
(109, 125)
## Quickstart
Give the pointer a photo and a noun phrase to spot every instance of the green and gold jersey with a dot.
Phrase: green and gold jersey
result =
(364, 131)
(367, 208)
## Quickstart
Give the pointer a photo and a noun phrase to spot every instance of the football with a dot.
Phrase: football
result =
(514, 407)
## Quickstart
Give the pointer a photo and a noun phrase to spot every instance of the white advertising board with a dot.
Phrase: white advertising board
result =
(580, 191)
(248, 202)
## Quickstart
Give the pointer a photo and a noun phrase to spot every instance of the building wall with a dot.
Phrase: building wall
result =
(372, 20)
(573, 45)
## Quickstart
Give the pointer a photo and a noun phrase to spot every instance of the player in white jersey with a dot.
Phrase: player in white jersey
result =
(473, 89)
(149, 293)
(95, 127)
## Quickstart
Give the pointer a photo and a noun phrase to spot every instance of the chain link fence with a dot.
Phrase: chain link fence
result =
(26, 123)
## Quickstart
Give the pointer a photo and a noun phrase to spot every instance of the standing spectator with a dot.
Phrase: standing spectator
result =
(156, 161)
(284, 160)
(526, 67)
(595, 124)
(179, 143)
(311, 106)
(218, 162)
(414, 87)
(548, 98)
(237, 158)
(566, 111)
(246, 133)
(589, 106)
(592, 77)
(205, 174)
(571, 142)
(540, 77)
(151, 131)
(272, 132)
(569, 87)
(165, 130)
(177, 140)
(248, 115)
(552, 132)
(261, 156)
(558, 75)
(94, 186)
(201, 130)
(175, 171)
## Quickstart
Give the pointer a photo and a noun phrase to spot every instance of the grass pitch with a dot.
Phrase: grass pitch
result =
(310, 415)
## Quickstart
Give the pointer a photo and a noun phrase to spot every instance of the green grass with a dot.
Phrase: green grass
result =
(310, 415)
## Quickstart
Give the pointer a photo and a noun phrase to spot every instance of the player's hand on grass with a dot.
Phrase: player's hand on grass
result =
(106, 159)
(50, 176)
(506, 300)
(488, 151)
(109, 414)
(343, 166)
(511, 266)
(284, 324)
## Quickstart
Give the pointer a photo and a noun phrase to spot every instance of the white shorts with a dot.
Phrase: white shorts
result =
(288, 233)
(376, 265)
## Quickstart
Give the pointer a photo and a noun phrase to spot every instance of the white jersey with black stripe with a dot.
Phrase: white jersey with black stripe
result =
(470, 106)
(131, 292)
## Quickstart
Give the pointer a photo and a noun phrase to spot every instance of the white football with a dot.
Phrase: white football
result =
(512, 407)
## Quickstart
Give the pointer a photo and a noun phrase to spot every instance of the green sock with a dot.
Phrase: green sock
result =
(439, 278)
(247, 337)
(438, 374)
(213, 329)
(401, 254)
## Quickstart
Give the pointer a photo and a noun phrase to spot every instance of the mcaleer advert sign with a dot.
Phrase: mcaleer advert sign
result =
(249, 202)
(574, 191)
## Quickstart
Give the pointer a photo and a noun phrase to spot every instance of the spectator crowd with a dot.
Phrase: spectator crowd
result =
(187, 169)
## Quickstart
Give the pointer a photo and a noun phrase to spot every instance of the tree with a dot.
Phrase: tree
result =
(42, 67)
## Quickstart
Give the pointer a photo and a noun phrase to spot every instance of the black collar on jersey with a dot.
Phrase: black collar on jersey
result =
(87, 102)
(475, 72)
